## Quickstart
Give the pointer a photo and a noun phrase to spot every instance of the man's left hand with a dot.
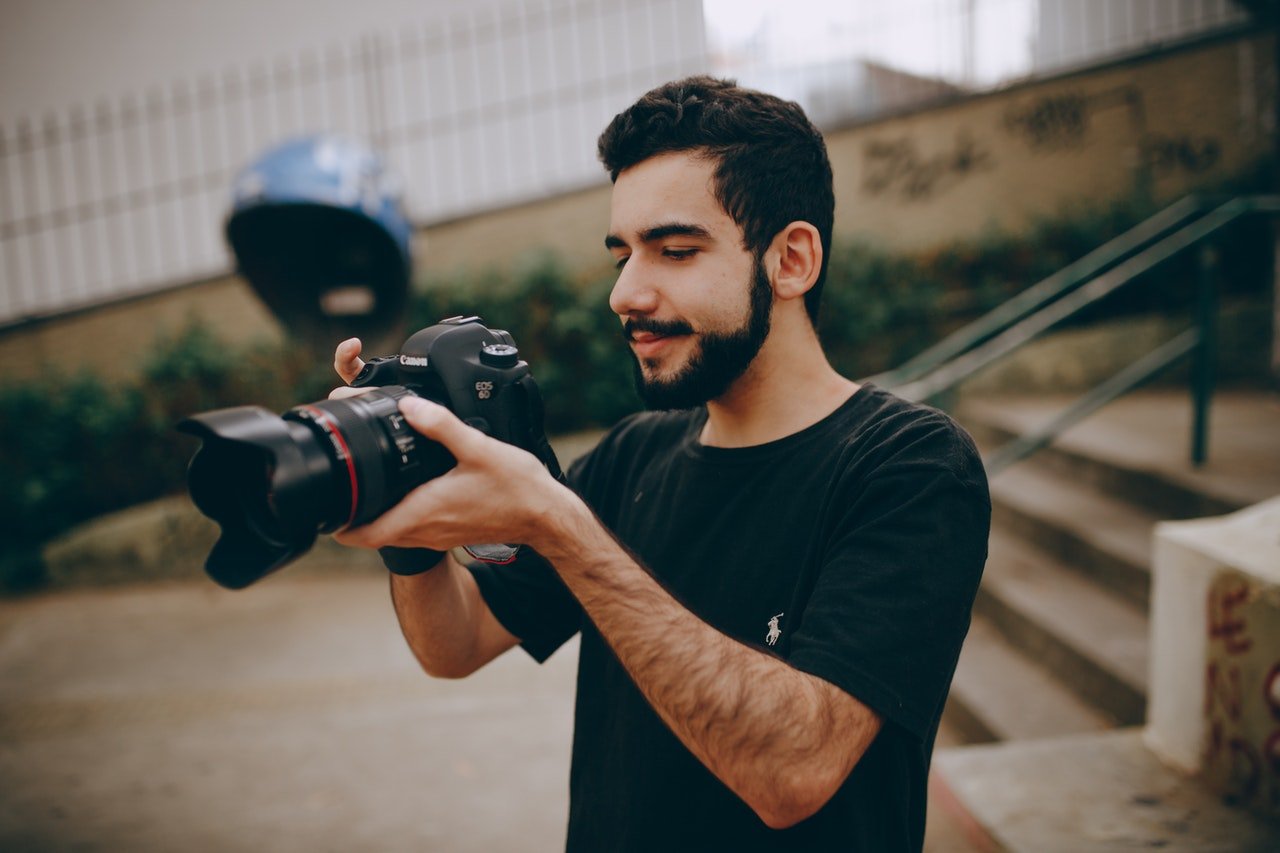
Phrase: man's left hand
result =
(496, 493)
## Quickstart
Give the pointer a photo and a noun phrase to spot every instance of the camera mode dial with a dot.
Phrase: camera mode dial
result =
(499, 355)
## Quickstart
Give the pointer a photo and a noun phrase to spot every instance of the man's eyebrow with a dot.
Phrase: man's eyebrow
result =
(658, 232)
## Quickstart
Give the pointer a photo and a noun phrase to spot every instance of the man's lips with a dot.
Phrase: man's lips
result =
(649, 344)
(649, 337)
(634, 325)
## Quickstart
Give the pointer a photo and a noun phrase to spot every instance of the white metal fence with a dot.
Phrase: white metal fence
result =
(497, 105)
(1075, 32)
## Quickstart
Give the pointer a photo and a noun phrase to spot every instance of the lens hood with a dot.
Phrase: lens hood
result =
(251, 476)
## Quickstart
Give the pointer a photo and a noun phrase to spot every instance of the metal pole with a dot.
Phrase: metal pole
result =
(1202, 368)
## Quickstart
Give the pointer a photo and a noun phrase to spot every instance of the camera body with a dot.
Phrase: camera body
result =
(274, 483)
(474, 371)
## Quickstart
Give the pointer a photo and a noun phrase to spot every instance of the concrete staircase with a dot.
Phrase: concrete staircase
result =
(1059, 639)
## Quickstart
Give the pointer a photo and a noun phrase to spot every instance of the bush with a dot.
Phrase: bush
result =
(564, 329)
(75, 447)
(72, 447)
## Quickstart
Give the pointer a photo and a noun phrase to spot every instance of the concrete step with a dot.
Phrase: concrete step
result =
(1084, 636)
(1137, 447)
(999, 694)
(1151, 490)
(1105, 539)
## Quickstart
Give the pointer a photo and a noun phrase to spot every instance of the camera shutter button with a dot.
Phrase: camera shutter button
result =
(499, 355)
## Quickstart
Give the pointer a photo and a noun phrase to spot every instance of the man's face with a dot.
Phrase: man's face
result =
(695, 305)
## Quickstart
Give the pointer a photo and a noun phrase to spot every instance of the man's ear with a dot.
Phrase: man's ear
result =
(797, 249)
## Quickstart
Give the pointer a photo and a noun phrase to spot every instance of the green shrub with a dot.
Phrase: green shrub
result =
(74, 447)
(564, 329)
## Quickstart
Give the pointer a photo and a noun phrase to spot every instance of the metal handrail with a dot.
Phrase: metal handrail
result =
(1068, 301)
(1133, 376)
(1063, 281)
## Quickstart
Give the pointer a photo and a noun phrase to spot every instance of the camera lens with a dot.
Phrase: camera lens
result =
(375, 456)
(272, 483)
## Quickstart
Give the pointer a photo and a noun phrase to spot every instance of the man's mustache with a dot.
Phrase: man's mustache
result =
(655, 327)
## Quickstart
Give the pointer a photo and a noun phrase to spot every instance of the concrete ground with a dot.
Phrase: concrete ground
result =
(287, 717)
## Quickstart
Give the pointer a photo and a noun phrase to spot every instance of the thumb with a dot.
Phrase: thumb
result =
(439, 424)
(346, 359)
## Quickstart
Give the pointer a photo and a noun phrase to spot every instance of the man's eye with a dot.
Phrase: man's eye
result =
(679, 254)
(621, 262)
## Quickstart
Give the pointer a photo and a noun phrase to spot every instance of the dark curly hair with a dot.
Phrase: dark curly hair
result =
(771, 162)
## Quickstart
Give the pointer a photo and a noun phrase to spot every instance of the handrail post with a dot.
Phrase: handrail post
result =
(1203, 367)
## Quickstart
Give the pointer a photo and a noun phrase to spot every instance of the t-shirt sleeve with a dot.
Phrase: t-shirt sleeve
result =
(530, 600)
(890, 606)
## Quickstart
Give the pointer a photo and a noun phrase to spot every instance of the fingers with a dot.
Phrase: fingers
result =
(344, 391)
(375, 534)
(456, 508)
(346, 359)
(438, 423)
(401, 525)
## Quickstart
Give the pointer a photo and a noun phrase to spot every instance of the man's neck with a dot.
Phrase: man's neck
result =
(788, 387)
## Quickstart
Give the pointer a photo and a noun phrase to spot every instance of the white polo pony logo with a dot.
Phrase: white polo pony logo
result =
(774, 631)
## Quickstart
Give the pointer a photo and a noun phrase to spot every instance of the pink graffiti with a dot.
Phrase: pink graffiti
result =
(1224, 624)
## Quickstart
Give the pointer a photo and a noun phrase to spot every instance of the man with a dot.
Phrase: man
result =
(773, 580)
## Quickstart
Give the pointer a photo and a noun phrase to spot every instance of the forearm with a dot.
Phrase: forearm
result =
(781, 739)
(444, 619)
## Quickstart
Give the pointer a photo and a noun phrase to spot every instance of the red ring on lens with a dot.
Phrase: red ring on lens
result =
(330, 425)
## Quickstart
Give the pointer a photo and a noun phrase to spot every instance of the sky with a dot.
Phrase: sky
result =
(920, 36)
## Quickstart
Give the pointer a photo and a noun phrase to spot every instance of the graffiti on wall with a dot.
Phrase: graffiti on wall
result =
(1054, 122)
(1242, 693)
(1168, 153)
(1063, 120)
(898, 167)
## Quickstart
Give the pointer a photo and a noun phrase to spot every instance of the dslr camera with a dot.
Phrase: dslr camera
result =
(273, 483)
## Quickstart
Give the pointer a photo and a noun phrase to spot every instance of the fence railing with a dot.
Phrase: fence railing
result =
(489, 107)
(497, 104)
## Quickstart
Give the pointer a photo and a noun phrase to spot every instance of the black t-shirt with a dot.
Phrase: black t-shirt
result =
(851, 549)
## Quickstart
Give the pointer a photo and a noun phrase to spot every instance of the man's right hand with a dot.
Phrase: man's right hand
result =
(401, 561)
(347, 361)
(444, 618)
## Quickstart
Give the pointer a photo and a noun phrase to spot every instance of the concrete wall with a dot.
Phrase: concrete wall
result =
(111, 341)
(1165, 124)
(573, 226)
(1169, 123)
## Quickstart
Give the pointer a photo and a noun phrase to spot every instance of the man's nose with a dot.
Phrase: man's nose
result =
(633, 292)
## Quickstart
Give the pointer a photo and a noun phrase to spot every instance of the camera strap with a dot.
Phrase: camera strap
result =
(497, 554)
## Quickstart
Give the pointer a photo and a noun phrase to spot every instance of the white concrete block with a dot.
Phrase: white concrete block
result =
(1215, 651)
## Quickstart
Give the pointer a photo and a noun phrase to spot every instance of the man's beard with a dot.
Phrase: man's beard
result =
(720, 359)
